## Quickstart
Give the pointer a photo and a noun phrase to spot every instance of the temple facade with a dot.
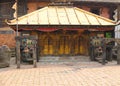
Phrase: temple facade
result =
(63, 29)
(70, 30)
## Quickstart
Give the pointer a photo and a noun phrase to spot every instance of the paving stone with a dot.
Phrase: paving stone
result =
(77, 74)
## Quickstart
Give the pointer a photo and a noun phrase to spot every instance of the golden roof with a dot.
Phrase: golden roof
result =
(62, 15)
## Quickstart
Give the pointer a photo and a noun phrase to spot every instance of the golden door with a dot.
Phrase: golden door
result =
(48, 46)
(64, 48)
(80, 45)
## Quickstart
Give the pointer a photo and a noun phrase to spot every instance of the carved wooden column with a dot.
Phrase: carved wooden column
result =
(91, 50)
(72, 44)
(104, 52)
(34, 33)
(34, 56)
(56, 45)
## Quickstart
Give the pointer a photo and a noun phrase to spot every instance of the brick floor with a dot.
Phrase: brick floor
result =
(67, 74)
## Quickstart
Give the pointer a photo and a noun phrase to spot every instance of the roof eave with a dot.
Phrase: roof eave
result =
(57, 26)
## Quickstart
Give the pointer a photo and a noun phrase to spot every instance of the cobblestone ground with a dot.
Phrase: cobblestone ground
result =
(67, 74)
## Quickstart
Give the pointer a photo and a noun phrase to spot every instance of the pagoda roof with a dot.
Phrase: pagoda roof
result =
(62, 15)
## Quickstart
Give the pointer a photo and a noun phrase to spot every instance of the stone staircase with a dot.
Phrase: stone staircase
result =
(64, 59)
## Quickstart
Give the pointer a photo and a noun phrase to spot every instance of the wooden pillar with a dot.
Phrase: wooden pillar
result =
(34, 56)
(104, 52)
(40, 43)
(72, 46)
(18, 52)
(79, 43)
(35, 33)
(91, 50)
(64, 40)
(56, 45)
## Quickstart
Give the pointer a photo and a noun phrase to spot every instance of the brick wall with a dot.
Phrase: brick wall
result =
(105, 12)
(7, 39)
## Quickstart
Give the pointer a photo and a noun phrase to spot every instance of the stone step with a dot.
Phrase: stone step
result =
(64, 58)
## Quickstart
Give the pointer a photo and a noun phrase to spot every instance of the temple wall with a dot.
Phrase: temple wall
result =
(7, 39)
(104, 11)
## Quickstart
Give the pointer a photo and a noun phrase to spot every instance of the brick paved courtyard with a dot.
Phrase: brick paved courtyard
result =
(67, 74)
